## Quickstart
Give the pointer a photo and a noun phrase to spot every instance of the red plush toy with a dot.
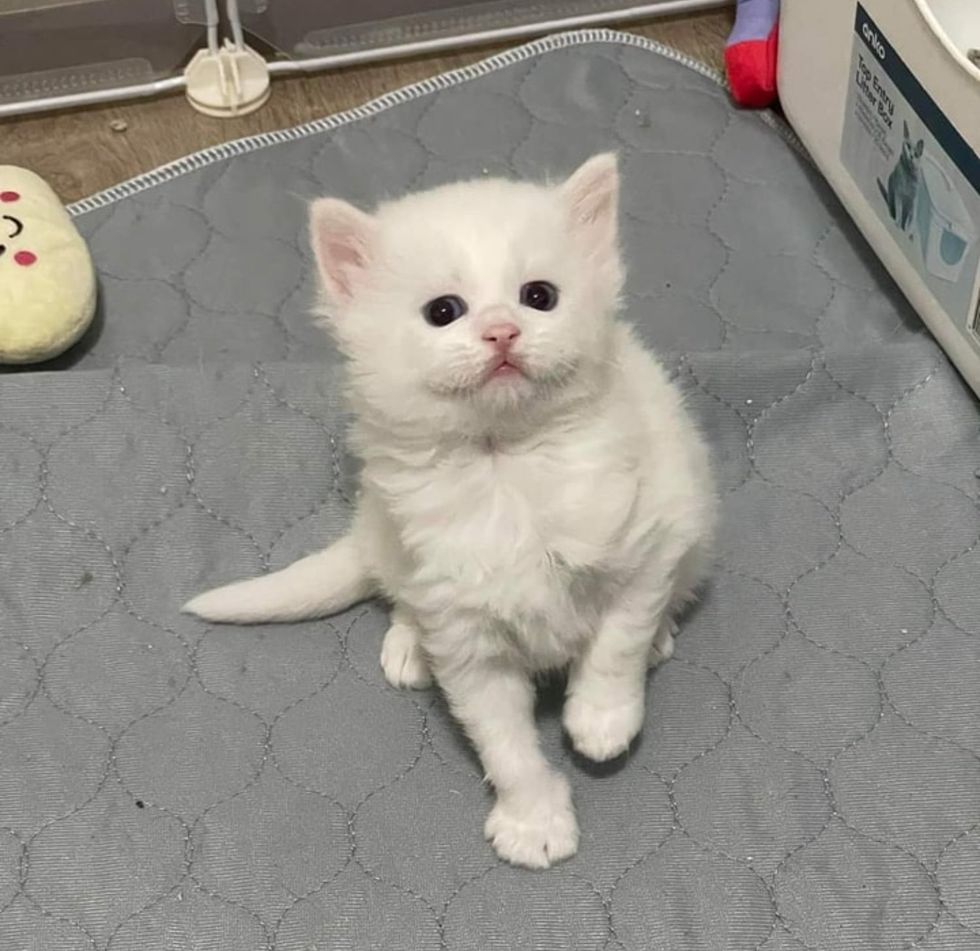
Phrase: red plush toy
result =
(750, 54)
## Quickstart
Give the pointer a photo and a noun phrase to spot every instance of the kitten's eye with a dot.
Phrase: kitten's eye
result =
(442, 311)
(541, 295)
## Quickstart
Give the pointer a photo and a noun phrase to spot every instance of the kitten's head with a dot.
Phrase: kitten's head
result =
(476, 302)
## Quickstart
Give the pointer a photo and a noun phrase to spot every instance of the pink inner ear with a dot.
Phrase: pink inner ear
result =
(342, 239)
(593, 205)
(344, 258)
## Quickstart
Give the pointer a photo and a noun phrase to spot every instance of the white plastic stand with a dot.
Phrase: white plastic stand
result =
(230, 81)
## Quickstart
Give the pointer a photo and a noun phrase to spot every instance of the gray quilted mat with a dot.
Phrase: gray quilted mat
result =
(808, 777)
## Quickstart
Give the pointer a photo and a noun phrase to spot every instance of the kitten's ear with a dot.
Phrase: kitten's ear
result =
(592, 195)
(343, 240)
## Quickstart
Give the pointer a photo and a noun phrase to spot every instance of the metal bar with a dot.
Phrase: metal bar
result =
(235, 21)
(91, 98)
(211, 21)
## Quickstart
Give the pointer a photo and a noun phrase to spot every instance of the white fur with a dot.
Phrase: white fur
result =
(552, 520)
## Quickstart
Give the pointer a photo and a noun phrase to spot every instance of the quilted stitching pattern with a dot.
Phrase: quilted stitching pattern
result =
(809, 772)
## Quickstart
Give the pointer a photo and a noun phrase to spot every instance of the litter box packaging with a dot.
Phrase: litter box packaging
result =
(917, 173)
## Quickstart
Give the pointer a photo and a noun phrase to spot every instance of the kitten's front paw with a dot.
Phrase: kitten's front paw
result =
(402, 658)
(602, 731)
(535, 829)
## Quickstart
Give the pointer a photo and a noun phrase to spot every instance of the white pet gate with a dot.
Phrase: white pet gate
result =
(59, 53)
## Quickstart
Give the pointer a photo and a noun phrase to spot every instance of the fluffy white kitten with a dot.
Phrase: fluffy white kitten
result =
(533, 496)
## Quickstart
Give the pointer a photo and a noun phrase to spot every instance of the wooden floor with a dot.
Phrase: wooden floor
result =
(82, 151)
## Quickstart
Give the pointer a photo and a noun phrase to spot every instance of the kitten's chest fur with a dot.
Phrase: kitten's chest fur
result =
(531, 537)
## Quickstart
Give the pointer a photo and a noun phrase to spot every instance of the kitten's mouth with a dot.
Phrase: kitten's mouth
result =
(504, 369)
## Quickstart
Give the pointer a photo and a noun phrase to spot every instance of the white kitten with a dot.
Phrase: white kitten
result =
(533, 494)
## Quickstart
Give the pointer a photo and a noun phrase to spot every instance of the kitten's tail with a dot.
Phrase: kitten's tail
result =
(323, 583)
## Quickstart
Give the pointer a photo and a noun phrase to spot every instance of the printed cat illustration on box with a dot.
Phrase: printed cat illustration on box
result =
(903, 182)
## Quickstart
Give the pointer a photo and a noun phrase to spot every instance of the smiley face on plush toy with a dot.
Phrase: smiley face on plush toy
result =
(12, 227)
(48, 288)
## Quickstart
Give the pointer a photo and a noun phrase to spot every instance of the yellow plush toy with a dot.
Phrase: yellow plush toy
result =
(47, 282)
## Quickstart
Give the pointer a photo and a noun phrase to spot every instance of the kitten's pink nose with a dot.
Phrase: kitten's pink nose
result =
(502, 335)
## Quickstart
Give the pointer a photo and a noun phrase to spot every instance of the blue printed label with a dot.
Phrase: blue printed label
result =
(917, 172)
